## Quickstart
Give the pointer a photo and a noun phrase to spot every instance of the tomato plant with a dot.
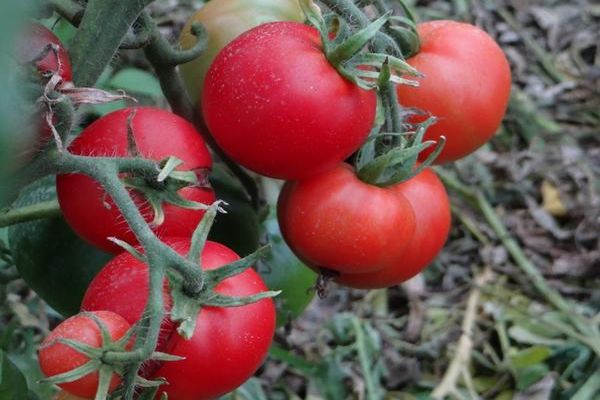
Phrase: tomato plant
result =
(337, 222)
(228, 344)
(34, 42)
(57, 358)
(158, 134)
(466, 86)
(224, 20)
(429, 201)
(295, 115)
(50, 257)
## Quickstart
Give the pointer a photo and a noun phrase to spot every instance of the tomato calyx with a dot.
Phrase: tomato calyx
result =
(344, 51)
(108, 359)
(162, 187)
(189, 297)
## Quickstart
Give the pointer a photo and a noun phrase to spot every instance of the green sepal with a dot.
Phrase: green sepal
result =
(218, 300)
(104, 379)
(147, 383)
(85, 349)
(74, 374)
(129, 248)
(160, 356)
(215, 276)
(357, 41)
(168, 167)
(202, 230)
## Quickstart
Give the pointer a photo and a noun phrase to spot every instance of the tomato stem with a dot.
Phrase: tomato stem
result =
(46, 209)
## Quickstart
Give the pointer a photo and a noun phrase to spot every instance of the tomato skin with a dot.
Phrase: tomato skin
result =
(429, 200)
(56, 358)
(295, 115)
(34, 40)
(336, 221)
(466, 85)
(228, 345)
(224, 20)
(158, 135)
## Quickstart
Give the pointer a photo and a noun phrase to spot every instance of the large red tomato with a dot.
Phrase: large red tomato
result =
(429, 200)
(33, 43)
(276, 105)
(57, 358)
(466, 85)
(158, 134)
(336, 221)
(228, 345)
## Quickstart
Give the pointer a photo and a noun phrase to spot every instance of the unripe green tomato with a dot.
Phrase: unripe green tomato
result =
(282, 270)
(50, 257)
(224, 20)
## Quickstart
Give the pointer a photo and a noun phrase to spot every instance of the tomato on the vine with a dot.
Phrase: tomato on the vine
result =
(158, 134)
(57, 358)
(293, 115)
(429, 200)
(228, 344)
(466, 86)
(34, 42)
(224, 20)
(337, 222)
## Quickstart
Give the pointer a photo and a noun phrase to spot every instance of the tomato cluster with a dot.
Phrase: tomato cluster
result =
(276, 104)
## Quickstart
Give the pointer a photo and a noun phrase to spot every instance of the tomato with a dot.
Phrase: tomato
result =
(228, 345)
(49, 256)
(282, 270)
(336, 221)
(466, 85)
(293, 115)
(429, 200)
(224, 20)
(57, 358)
(33, 43)
(158, 134)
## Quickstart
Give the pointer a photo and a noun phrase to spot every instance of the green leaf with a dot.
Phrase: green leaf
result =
(13, 385)
(136, 81)
(528, 376)
(530, 356)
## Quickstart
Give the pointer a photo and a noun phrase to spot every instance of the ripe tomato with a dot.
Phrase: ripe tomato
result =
(224, 20)
(158, 134)
(56, 358)
(336, 221)
(466, 85)
(429, 200)
(293, 115)
(228, 345)
(34, 41)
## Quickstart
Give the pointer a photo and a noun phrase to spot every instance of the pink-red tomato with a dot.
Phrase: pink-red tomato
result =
(32, 44)
(466, 86)
(158, 134)
(429, 200)
(228, 345)
(276, 105)
(336, 221)
(57, 358)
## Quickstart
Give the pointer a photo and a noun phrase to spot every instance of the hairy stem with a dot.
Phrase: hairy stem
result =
(41, 210)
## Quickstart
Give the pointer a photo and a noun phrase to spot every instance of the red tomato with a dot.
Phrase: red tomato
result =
(34, 41)
(336, 221)
(56, 358)
(228, 345)
(429, 201)
(158, 134)
(275, 104)
(466, 85)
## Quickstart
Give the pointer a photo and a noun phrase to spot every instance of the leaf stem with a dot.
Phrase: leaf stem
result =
(41, 210)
